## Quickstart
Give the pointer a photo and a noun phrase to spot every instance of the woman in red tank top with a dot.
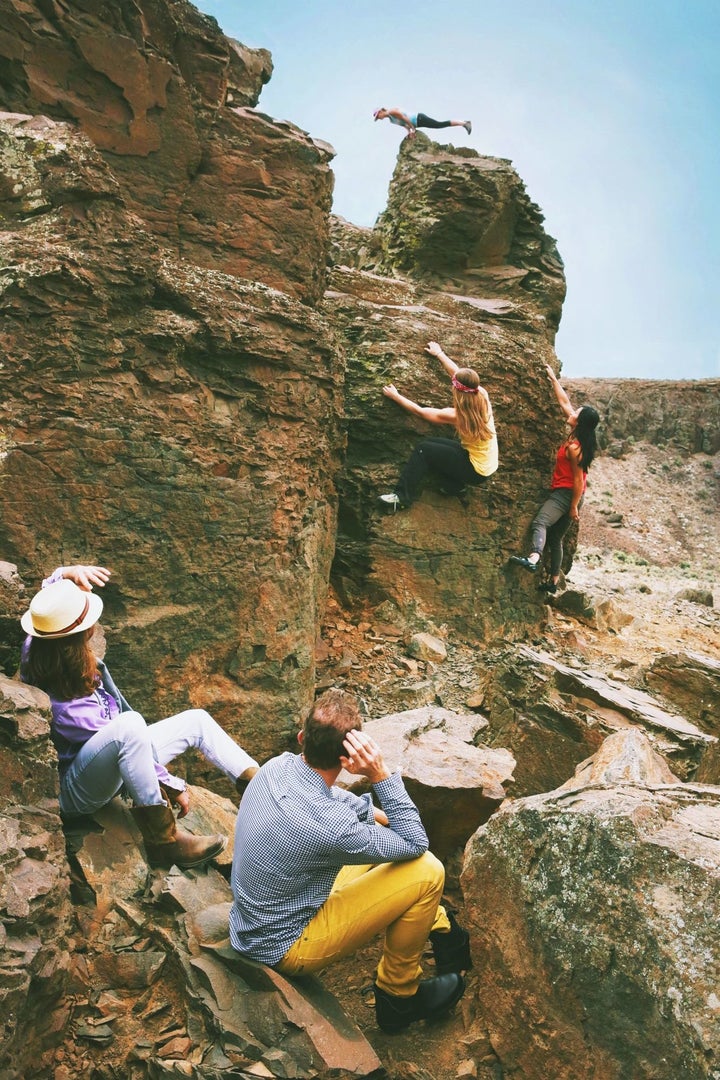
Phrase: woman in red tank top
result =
(567, 488)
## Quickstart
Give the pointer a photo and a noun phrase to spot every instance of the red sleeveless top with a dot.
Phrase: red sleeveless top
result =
(563, 475)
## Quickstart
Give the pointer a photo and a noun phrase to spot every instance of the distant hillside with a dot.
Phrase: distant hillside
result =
(683, 413)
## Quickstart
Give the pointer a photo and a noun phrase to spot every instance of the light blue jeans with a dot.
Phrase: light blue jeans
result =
(125, 752)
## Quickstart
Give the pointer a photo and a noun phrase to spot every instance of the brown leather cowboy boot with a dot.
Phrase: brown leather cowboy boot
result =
(166, 845)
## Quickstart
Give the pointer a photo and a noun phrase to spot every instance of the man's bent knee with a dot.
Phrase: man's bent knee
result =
(427, 868)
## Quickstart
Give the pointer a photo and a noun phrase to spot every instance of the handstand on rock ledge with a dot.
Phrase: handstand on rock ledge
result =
(411, 122)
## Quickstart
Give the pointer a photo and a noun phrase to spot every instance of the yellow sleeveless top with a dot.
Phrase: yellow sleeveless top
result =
(483, 453)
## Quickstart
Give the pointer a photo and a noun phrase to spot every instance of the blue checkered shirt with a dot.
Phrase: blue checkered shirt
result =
(293, 834)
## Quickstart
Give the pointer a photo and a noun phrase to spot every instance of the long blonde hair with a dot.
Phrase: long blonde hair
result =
(473, 415)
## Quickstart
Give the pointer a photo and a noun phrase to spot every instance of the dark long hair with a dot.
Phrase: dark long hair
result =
(65, 667)
(584, 433)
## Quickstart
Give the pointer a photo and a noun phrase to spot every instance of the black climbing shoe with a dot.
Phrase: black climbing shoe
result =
(451, 948)
(548, 587)
(433, 998)
(520, 560)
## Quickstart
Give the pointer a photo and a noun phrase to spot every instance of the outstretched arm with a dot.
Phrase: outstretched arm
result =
(563, 400)
(435, 416)
(436, 350)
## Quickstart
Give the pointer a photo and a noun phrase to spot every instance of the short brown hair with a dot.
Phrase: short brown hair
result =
(331, 717)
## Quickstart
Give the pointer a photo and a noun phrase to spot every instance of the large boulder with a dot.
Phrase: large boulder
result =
(460, 256)
(455, 781)
(594, 914)
(465, 221)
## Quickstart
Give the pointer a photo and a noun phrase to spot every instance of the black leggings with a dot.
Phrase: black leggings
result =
(552, 520)
(444, 457)
(427, 121)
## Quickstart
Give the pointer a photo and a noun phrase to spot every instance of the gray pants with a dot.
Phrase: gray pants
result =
(550, 524)
(125, 750)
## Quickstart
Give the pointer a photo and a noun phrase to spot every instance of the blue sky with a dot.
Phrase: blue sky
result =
(609, 111)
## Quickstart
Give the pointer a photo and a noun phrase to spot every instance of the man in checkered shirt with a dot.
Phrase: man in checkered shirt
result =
(318, 871)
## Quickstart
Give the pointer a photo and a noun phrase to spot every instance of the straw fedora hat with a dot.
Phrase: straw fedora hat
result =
(61, 609)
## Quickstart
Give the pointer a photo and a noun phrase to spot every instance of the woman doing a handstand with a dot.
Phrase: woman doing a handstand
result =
(457, 463)
(567, 488)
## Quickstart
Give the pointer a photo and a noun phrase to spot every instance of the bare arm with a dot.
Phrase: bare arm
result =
(436, 350)
(403, 118)
(562, 398)
(435, 416)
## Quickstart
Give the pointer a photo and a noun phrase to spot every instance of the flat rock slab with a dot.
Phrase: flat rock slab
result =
(290, 1027)
(268, 1002)
(633, 705)
(455, 783)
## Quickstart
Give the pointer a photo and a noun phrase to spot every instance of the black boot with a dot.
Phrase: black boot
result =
(433, 998)
(451, 948)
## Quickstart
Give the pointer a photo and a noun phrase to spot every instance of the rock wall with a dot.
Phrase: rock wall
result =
(164, 96)
(181, 421)
(36, 916)
(174, 423)
(459, 256)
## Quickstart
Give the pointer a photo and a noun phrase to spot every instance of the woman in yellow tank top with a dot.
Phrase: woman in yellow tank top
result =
(467, 460)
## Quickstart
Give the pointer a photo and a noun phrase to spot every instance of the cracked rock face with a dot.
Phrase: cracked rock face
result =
(175, 424)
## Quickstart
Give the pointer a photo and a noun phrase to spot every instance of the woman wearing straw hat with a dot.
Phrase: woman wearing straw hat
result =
(467, 460)
(102, 743)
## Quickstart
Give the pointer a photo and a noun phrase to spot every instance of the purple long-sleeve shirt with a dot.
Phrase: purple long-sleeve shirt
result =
(75, 721)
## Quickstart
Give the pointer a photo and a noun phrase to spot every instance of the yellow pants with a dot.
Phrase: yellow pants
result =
(401, 898)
